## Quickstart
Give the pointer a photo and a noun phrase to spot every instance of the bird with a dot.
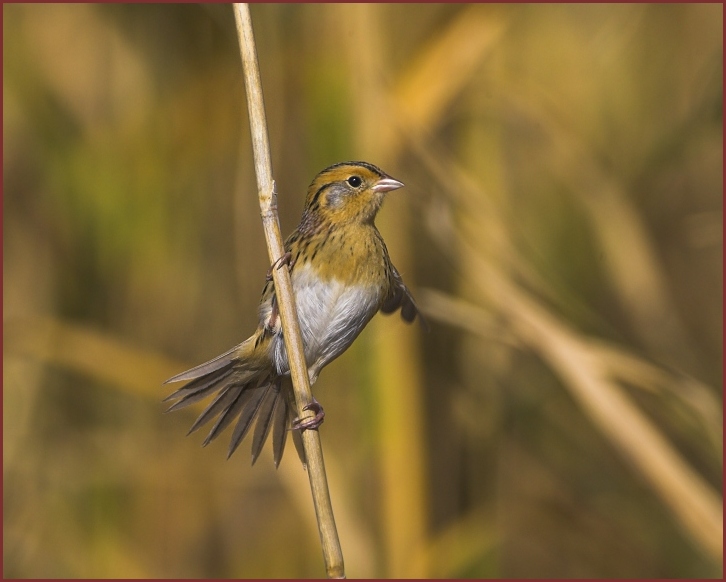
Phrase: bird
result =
(341, 276)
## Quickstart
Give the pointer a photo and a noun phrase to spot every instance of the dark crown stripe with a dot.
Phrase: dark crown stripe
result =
(371, 167)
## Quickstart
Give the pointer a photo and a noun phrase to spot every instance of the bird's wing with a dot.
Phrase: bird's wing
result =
(400, 298)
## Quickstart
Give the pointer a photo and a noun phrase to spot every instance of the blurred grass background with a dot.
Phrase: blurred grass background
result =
(561, 227)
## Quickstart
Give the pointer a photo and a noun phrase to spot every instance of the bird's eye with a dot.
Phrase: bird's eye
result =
(355, 181)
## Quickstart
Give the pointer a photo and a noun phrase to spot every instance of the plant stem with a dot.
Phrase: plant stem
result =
(332, 553)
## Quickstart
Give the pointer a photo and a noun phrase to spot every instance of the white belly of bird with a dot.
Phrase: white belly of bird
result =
(331, 316)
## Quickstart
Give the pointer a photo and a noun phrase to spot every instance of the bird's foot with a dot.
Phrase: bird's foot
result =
(285, 259)
(310, 423)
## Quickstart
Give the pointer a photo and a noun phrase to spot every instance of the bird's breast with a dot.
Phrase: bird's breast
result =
(331, 314)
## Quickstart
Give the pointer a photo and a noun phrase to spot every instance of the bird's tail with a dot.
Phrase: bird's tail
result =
(243, 394)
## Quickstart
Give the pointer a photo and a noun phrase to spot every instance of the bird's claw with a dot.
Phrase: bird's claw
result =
(285, 259)
(310, 423)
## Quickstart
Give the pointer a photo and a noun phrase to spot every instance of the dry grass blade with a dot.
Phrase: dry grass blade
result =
(396, 359)
(619, 364)
(445, 66)
(85, 350)
(689, 391)
(628, 249)
(585, 374)
(438, 74)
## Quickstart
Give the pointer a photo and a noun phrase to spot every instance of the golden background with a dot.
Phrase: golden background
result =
(561, 227)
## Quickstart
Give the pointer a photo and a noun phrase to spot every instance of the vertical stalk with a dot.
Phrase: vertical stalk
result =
(395, 359)
(332, 553)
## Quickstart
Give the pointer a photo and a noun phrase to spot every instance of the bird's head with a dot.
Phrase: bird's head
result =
(348, 192)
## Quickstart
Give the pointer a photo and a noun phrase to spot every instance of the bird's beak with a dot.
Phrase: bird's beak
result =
(386, 185)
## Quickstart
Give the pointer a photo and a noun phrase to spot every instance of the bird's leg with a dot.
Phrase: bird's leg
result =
(313, 422)
(285, 259)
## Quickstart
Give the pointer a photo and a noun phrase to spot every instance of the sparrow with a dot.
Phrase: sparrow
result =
(341, 277)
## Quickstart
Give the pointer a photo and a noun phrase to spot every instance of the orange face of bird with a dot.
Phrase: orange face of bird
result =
(349, 192)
